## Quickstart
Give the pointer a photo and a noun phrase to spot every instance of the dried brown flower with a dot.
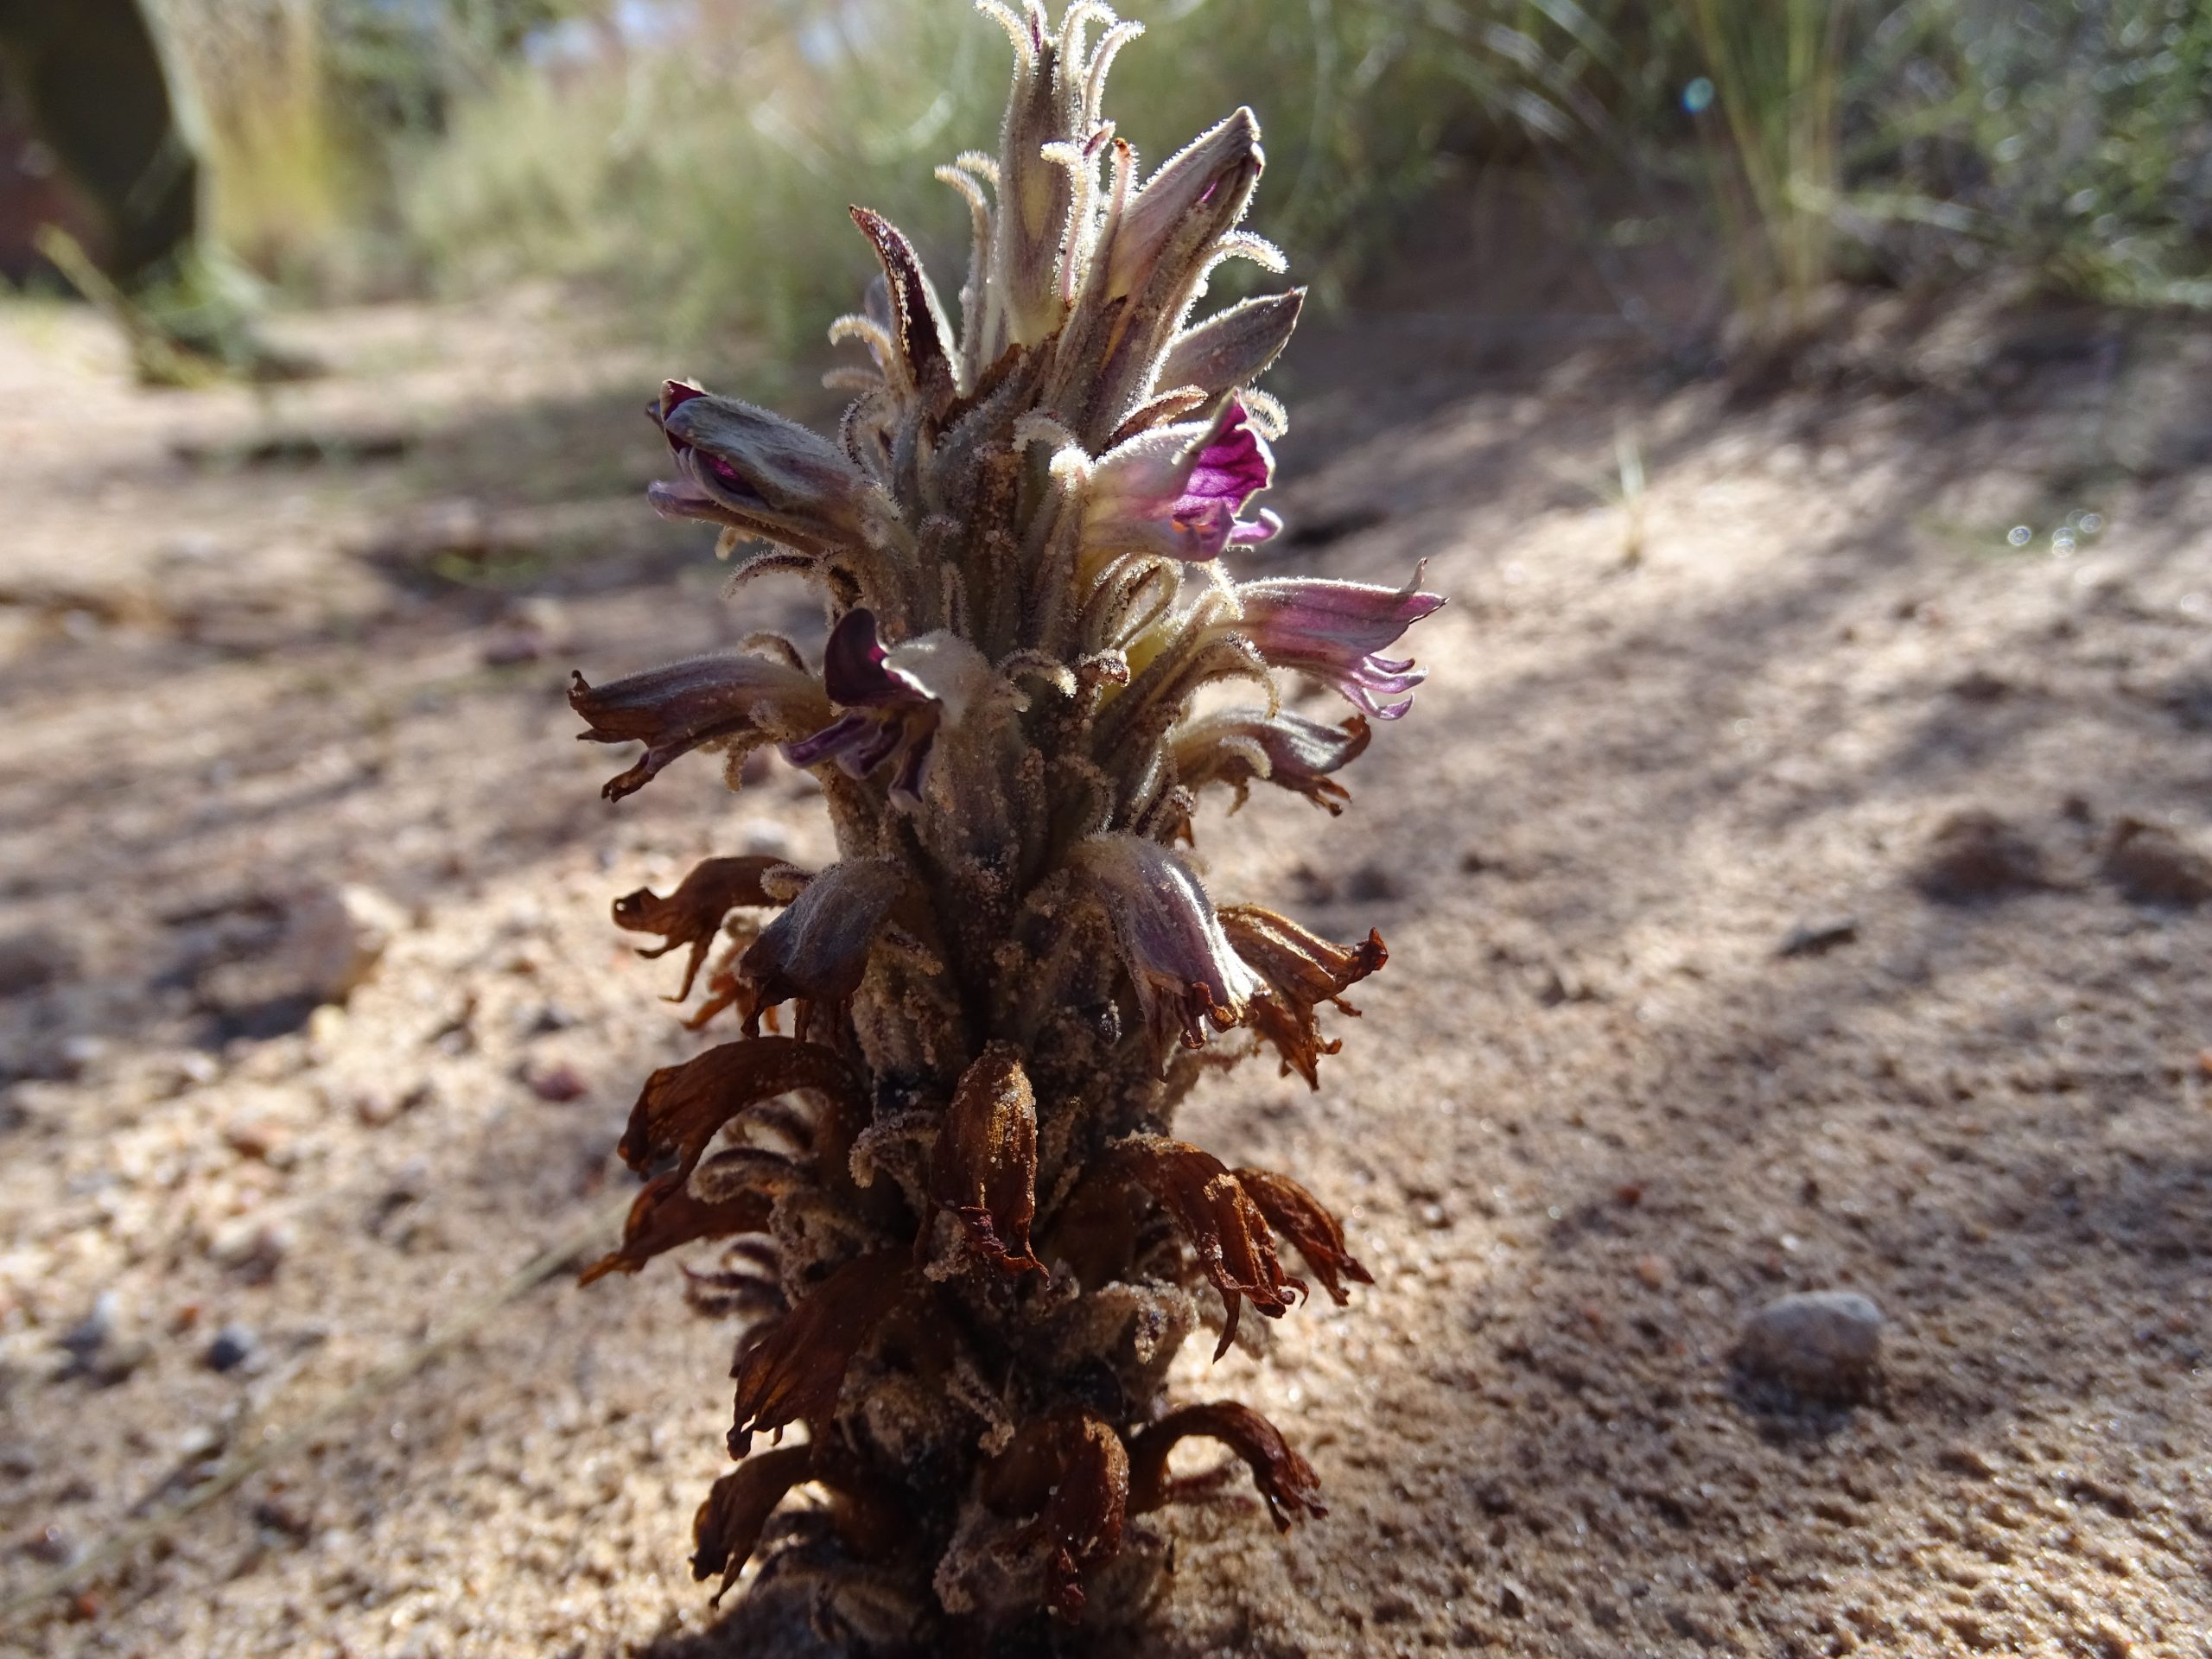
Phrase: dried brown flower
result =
(1285, 1479)
(791, 1367)
(693, 913)
(985, 1167)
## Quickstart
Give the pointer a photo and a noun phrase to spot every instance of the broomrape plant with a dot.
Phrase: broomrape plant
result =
(949, 1202)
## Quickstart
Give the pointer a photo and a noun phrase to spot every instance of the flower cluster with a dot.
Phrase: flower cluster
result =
(947, 1200)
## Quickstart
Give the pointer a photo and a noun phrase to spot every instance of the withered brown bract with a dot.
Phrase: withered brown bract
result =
(950, 1200)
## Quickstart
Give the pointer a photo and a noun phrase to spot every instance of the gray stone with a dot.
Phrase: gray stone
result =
(1821, 1344)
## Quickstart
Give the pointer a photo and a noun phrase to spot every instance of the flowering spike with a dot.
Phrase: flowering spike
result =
(1003, 981)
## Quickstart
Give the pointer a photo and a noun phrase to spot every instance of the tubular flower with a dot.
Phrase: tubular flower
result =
(1300, 970)
(1178, 958)
(1237, 745)
(1336, 631)
(1179, 490)
(733, 702)
(1198, 193)
(1231, 349)
(758, 473)
(895, 701)
(1285, 1479)
(693, 914)
(946, 1197)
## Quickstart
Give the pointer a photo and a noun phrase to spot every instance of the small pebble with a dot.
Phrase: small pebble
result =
(377, 1106)
(1372, 883)
(29, 961)
(234, 1345)
(89, 1334)
(1980, 686)
(257, 1137)
(558, 1084)
(547, 1019)
(1823, 1344)
(1818, 939)
(254, 1248)
(511, 647)
(99, 1349)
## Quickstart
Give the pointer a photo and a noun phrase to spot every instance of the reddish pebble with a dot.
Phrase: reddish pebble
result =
(1654, 1271)
(558, 1084)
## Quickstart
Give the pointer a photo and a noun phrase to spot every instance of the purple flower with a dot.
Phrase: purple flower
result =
(1335, 630)
(895, 701)
(816, 949)
(1179, 490)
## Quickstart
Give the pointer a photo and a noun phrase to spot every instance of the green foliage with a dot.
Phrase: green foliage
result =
(299, 107)
(1776, 70)
(676, 164)
(2070, 137)
(683, 174)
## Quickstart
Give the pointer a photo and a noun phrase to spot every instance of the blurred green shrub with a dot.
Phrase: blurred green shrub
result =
(301, 109)
(688, 171)
(283, 183)
(1769, 109)
(676, 152)
(2072, 137)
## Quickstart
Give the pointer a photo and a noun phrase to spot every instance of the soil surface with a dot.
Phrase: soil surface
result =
(1791, 884)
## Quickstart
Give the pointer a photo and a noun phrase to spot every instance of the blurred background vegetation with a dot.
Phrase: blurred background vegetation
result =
(678, 155)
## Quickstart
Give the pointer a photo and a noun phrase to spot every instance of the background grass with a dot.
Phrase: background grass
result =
(679, 153)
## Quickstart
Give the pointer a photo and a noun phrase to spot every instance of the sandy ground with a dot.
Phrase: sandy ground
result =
(1594, 1118)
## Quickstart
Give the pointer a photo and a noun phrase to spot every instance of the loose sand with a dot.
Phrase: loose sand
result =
(1592, 1120)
